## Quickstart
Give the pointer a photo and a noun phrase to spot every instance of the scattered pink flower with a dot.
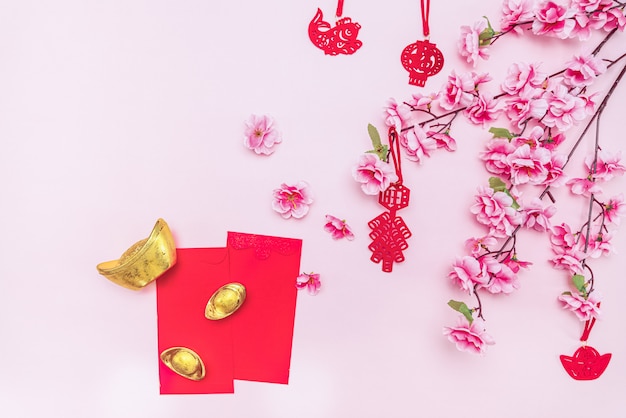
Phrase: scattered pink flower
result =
(338, 228)
(554, 170)
(292, 200)
(528, 165)
(607, 165)
(553, 19)
(468, 272)
(494, 210)
(443, 140)
(562, 236)
(476, 245)
(614, 209)
(260, 134)
(537, 216)
(483, 109)
(417, 144)
(373, 174)
(564, 109)
(458, 91)
(495, 157)
(515, 264)
(527, 104)
(568, 259)
(469, 337)
(502, 279)
(423, 101)
(600, 245)
(585, 309)
(515, 12)
(519, 75)
(309, 281)
(553, 141)
(584, 187)
(582, 70)
(469, 43)
(396, 114)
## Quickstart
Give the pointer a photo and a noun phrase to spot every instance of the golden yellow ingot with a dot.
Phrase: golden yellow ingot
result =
(185, 362)
(144, 261)
(225, 301)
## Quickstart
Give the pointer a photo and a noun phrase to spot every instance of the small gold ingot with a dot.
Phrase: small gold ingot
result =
(144, 261)
(184, 362)
(225, 301)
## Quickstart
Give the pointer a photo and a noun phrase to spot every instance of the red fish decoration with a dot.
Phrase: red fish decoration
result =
(340, 39)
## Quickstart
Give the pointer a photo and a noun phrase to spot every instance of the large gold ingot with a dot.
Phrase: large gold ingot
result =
(225, 301)
(144, 261)
(184, 362)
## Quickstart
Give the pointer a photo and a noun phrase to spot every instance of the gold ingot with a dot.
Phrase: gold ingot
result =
(144, 261)
(184, 362)
(225, 301)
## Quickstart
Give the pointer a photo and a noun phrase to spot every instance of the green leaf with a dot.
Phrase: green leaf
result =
(579, 283)
(497, 184)
(462, 308)
(484, 38)
(501, 133)
(381, 152)
(374, 135)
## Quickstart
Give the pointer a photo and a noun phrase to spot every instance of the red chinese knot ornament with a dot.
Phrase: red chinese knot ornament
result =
(422, 59)
(389, 232)
(339, 39)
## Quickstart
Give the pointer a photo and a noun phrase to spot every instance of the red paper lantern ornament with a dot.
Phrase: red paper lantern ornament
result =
(390, 232)
(422, 59)
(586, 363)
(340, 39)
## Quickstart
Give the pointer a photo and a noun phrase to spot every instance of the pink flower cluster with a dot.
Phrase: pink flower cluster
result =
(469, 337)
(292, 200)
(574, 19)
(260, 135)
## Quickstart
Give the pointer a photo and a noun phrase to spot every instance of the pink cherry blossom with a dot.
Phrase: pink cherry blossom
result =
(495, 157)
(501, 278)
(423, 101)
(469, 337)
(467, 272)
(568, 259)
(553, 19)
(520, 74)
(582, 70)
(373, 174)
(527, 104)
(562, 236)
(585, 309)
(310, 281)
(582, 28)
(458, 91)
(584, 187)
(552, 141)
(338, 228)
(470, 46)
(292, 200)
(476, 245)
(494, 210)
(591, 5)
(260, 135)
(600, 245)
(528, 165)
(537, 216)
(515, 264)
(443, 140)
(396, 114)
(564, 109)
(608, 19)
(607, 165)
(614, 209)
(515, 12)
(483, 109)
(554, 170)
(417, 144)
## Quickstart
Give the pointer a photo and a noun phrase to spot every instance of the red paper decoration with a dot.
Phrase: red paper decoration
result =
(586, 363)
(389, 232)
(421, 58)
(340, 39)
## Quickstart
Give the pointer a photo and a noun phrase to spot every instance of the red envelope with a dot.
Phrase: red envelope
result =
(182, 294)
(263, 326)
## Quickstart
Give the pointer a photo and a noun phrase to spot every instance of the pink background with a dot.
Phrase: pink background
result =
(115, 113)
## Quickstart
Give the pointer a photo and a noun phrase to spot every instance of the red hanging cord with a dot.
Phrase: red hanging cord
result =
(587, 330)
(339, 8)
(425, 4)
